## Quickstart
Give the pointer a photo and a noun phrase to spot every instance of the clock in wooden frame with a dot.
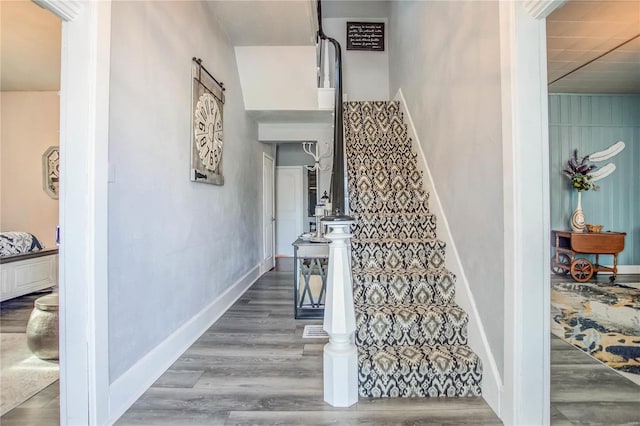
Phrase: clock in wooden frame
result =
(207, 136)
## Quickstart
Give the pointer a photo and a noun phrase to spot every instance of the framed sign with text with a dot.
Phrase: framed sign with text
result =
(365, 36)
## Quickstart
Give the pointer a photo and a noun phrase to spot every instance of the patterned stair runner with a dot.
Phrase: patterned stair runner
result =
(411, 336)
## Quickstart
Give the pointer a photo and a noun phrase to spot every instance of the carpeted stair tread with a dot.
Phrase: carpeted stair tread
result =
(426, 253)
(419, 371)
(410, 324)
(411, 336)
(401, 203)
(395, 241)
(388, 286)
(407, 225)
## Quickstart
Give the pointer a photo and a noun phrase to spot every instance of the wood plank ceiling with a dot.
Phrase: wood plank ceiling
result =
(594, 47)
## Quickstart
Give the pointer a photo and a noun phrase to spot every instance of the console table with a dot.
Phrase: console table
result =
(310, 278)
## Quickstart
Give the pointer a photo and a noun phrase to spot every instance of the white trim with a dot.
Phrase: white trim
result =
(67, 10)
(623, 269)
(525, 151)
(491, 380)
(134, 382)
(268, 263)
(540, 9)
(84, 121)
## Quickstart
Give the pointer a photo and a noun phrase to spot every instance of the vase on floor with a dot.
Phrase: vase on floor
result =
(577, 218)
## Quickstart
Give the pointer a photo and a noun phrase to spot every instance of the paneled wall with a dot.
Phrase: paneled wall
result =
(591, 123)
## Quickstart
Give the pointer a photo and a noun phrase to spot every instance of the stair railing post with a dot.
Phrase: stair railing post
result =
(340, 354)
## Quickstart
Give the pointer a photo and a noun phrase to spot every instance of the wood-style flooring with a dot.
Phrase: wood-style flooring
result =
(583, 390)
(252, 367)
(44, 407)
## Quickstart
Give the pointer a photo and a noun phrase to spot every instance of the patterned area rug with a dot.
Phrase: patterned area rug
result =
(22, 374)
(601, 319)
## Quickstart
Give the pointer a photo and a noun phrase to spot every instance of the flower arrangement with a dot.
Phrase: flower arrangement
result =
(579, 172)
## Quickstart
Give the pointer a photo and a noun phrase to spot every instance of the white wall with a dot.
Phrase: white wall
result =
(321, 133)
(278, 77)
(365, 75)
(174, 245)
(292, 154)
(30, 125)
(445, 56)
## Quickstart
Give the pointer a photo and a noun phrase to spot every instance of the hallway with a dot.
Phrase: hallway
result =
(254, 367)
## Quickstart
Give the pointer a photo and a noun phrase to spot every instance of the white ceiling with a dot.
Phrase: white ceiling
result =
(267, 22)
(30, 47)
(585, 31)
(355, 8)
(577, 33)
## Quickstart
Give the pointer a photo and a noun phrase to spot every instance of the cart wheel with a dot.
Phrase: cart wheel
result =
(563, 260)
(581, 270)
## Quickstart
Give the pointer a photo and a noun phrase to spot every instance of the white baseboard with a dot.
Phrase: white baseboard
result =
(491, 381)
(266, 265)
(134, 382)
(624, 269)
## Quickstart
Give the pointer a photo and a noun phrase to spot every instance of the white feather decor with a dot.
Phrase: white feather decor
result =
(602, 172)
(612, 151)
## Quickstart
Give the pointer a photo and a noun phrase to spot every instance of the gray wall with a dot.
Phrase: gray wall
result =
(445, 56)
(174, 245)
(365, 75)
(592, 123)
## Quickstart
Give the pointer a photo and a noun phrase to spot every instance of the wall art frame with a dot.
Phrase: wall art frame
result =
(51, 172)
(207, 136)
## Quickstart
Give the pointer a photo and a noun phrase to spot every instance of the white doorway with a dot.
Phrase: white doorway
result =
(268, 213)
(289, 208)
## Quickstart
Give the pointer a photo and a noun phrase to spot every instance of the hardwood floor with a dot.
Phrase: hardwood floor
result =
(44, 407)
(253, 368)
(585, 391)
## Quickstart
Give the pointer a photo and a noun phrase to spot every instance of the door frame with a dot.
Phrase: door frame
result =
(525, 394)
(83, 204)
(267, 266)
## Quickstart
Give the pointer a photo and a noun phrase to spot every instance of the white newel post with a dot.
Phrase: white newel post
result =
(340, 354)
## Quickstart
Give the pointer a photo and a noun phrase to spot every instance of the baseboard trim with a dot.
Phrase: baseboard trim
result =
(491, 381)
(134, 382)
(624, 269)
(266, 265)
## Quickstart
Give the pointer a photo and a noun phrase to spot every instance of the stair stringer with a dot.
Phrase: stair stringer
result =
(492, 383)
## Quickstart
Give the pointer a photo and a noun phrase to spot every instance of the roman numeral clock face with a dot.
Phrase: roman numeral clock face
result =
(208, 131)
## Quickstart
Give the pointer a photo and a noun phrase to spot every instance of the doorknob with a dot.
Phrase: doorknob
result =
(273, 219)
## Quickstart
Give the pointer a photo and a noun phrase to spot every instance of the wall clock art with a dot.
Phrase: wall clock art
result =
(207, 137)
(51, 172)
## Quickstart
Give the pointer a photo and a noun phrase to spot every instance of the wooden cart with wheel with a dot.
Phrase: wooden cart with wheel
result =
(569, 244)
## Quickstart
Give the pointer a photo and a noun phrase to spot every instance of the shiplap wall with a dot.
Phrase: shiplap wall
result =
(592, 123)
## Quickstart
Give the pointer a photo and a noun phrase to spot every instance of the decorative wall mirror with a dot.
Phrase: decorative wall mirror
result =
(51, 171)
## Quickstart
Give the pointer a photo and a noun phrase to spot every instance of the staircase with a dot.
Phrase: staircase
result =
(410, 334)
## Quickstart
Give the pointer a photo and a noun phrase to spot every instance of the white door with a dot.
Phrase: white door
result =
(268, 212)
(289, 208)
